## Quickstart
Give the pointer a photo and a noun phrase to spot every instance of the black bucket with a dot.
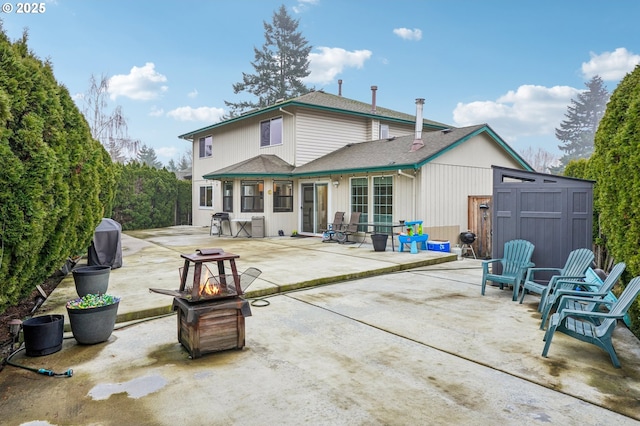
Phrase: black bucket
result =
(43, 335)
(379, 242)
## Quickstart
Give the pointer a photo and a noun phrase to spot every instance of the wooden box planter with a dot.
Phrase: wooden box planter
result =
(211, 326)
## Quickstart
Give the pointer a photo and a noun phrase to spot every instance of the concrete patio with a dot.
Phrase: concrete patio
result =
(350, 336)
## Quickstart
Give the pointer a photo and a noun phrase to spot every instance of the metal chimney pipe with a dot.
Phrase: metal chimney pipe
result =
(373, 98)
(340, 87)
(417, 142)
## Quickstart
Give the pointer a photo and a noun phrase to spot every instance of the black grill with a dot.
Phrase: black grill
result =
(221, 215)
(467, 237)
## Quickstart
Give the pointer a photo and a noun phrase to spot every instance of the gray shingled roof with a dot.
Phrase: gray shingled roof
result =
(380, 155)
(387, 154)
(262, 165)
(327, 102)
(336, 102)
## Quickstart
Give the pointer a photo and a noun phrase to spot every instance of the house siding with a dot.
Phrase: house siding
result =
(449, 180)
(319, 134)
(233, 144)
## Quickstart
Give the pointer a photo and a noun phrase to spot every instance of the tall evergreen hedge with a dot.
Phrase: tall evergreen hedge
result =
(56, 182)
(615, 165)
(146, 197)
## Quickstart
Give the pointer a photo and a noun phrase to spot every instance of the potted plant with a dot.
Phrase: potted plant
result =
(92, 279)
(92, 317)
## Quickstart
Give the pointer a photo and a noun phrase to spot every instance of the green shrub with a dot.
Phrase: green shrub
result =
(614, 164)
(146, 197)
(55, 180)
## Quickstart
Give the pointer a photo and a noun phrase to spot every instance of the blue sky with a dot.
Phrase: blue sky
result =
(514, 65)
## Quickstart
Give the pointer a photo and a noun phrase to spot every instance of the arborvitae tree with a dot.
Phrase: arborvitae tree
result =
(55, 179)
(146, 197)
(279, 66)
(615, 164)
(147, 155)
(577, 132)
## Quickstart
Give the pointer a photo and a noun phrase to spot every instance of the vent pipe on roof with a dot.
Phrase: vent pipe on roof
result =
(340, 87)
(373, 98)
(417, 142)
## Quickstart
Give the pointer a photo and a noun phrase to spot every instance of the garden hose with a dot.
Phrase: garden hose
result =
(43, 371)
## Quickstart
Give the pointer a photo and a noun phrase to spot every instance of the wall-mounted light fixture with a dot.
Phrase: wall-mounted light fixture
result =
(336, 183)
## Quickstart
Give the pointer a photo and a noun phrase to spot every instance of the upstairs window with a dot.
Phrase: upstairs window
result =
(271, 132)
(206, 146)
(384, 131)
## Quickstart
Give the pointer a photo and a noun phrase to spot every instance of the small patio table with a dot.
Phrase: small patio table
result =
(242, 223)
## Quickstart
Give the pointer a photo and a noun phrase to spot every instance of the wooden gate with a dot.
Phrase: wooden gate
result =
(479, 220)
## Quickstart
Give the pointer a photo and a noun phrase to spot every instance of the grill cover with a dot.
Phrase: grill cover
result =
(106, 247)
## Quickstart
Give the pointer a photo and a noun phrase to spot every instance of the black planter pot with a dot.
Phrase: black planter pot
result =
(43, 335)
(91, 279)
(379, 242)
(93, 325)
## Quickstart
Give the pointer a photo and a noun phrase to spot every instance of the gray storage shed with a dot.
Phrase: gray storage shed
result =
(555, 213)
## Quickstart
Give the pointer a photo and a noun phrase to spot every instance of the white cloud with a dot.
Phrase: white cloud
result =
(156, 112)
(142, 83)
(304, 5)
(205, 114)
(166, 151)
(407, 34)
(528, 111)
(193, 94)
(610, 66)
(331, 61)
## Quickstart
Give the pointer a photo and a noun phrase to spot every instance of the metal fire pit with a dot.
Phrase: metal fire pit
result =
(228, 285)
(211, 321)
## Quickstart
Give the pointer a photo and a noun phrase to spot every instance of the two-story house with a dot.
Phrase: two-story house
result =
(300, 160)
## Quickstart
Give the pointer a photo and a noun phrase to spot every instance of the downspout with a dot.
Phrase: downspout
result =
(413, 189)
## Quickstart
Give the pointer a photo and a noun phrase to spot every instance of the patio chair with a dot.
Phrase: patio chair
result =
(586, 290)
(593, 327)
(343, 235)
(328, 234)
(515, 261)
(575, 268)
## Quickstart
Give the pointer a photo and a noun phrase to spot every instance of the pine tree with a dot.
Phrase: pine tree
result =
(171, 166)
(578, 131)
(279, 66)
(147, 156)
(185, 162)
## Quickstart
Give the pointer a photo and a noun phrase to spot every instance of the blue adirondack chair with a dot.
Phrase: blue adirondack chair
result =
(587, 290)
(515, 262)
(575, 268)
(593, 327)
